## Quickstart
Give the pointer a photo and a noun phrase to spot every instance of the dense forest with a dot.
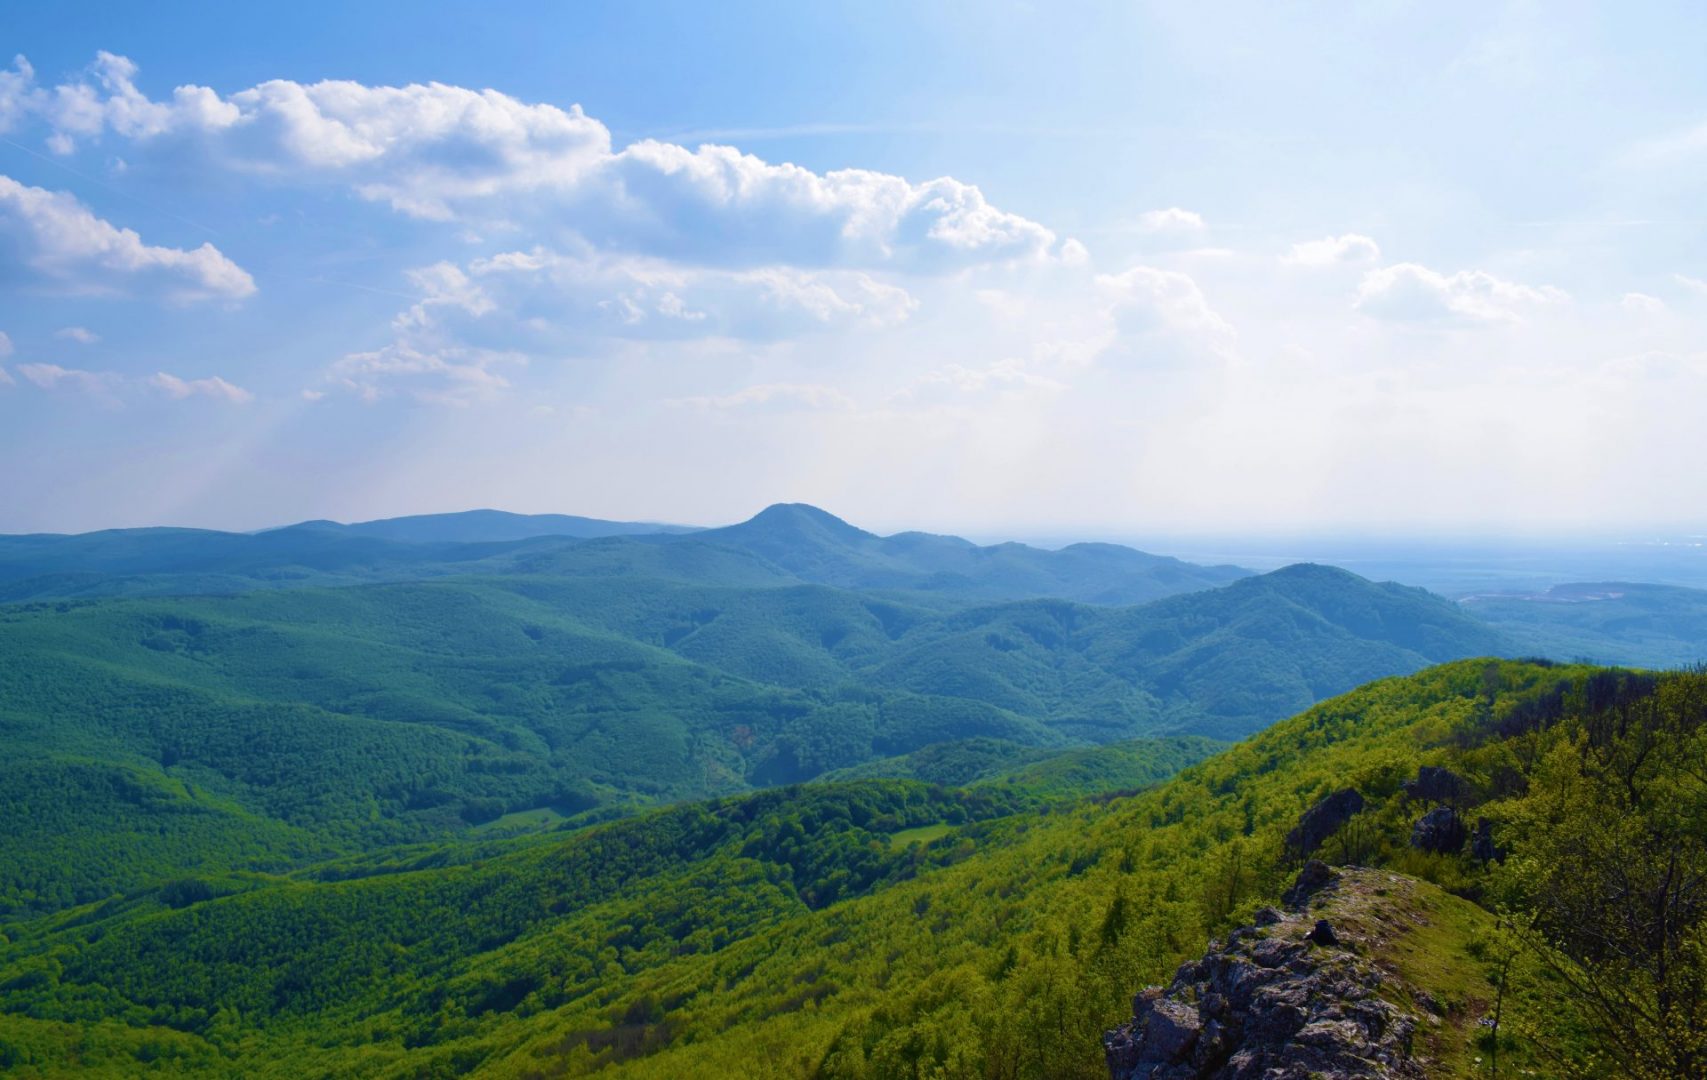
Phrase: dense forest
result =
(896, 928)
(273, 727)
(417, 798)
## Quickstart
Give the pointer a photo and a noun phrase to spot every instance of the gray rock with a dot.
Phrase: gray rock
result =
(1268, 1009)
(1437, 785)
(1322, 821)
(1315, 876)
(1440, 830)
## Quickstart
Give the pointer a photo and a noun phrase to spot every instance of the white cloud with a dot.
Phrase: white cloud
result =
(57, 236)
(1694, 285)
(17, 94)
(776, 397)
(1171, 220)
(427, 150)
(80, 335)
(213, 387)
(515, 305)
(450, 375)
(1162, 316)
(1408, 292)
(5, 345)
(1642, 303)
(54, 377)
(1335, 250)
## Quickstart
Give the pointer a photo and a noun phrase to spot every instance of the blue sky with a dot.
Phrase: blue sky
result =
(1049, 269)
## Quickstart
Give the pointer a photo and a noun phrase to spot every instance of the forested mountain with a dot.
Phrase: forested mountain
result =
(820, 548)
(783, 545)
(275, 726)
(889, 928)
(487, 526)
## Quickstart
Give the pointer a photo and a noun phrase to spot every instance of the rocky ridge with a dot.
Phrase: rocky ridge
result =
(1296, 996)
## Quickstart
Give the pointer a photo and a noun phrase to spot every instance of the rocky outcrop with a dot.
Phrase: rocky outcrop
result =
(1440, 830)
(1322, 821)
(1292, 998)
(1438, 785)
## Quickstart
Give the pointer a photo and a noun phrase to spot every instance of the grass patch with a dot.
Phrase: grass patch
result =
(924, 834)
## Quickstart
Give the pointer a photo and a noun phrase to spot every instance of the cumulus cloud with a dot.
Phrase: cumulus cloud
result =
(1694, 285)
(1171, 220)
(79, 334)
(212, 387)
(1408, 292)
(17, 93)
(59, 238)
(1642, 303)
(1162, 316)
(495, 310)
(1335, 250)
(428, 149)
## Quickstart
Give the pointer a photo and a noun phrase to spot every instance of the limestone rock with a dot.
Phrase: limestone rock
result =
(1268, 1005)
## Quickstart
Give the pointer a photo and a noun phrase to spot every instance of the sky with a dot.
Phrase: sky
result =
(999, 268)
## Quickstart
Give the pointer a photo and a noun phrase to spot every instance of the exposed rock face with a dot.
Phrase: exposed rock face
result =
(1438, 785)
(1440, 830)
(1315, 876)
(1290, 1001)
(1320, 821)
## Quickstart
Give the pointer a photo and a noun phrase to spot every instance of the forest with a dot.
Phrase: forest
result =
(898, 928)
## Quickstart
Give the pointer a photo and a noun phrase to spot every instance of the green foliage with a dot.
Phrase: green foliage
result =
(151, 737)
(788, 933)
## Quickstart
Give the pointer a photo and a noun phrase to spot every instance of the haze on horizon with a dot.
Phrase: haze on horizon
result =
(977, 269)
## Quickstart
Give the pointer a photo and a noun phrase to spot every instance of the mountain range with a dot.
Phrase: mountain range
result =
(570, 680)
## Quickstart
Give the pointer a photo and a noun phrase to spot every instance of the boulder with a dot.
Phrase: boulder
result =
(1437, 785)
(1440, 830)
(1315, 876)
(1322, 821)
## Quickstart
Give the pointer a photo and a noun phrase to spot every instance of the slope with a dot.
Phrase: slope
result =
(787, 934)
(260, 730)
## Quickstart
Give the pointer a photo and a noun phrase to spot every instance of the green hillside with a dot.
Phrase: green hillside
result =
(258, 731)
(798, 932)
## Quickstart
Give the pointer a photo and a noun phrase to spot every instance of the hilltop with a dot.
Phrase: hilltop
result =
(782, 545)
